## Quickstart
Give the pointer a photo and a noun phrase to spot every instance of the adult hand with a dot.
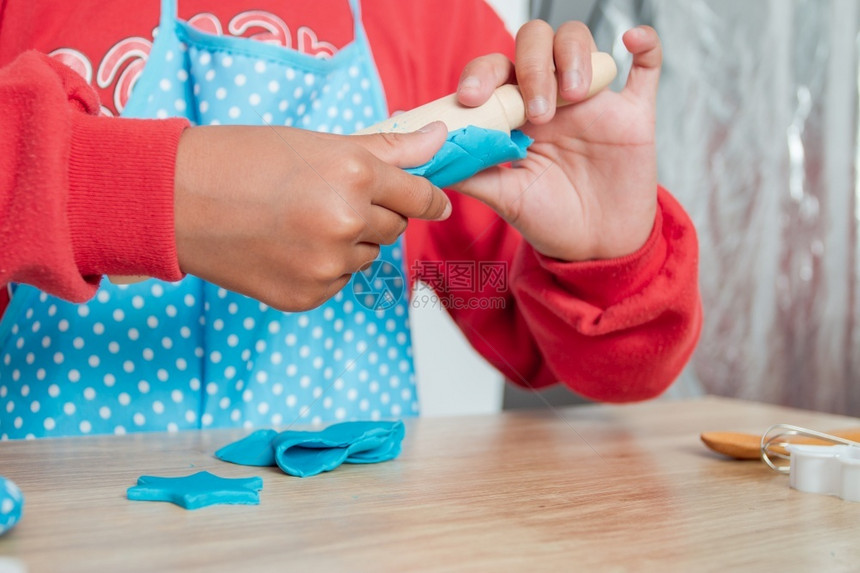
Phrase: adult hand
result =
(286, 216)
(588, 188)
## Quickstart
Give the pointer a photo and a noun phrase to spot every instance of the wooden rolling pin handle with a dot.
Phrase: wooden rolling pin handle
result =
(504, 111)
(510, 100)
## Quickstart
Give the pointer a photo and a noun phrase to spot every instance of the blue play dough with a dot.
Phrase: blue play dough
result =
(305, 454)
(197, 490)
(11, 504)
(470, 150)
(253, 450)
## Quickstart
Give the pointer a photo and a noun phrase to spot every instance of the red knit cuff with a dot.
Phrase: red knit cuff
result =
(120, 206)
(603, 283)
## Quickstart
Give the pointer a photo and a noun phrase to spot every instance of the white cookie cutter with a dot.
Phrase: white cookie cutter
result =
(825, 469)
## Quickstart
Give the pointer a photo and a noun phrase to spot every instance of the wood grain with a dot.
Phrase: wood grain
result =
(621, 488)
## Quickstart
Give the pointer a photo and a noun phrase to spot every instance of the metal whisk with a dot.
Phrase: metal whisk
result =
(777, 437)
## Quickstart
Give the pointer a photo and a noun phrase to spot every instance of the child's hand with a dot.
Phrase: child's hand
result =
(588, 188)
(286, 216)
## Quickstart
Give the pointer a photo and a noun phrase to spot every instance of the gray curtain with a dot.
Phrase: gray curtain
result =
(758, 137)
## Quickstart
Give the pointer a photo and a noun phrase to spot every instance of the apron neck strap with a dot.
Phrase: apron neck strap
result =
(169, 13)
(358, 28)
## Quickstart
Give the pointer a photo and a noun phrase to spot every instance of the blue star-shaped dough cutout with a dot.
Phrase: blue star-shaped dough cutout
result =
(197, 490)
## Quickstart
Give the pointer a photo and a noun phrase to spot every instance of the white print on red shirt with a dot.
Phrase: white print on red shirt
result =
(121, 66)
(133, 51)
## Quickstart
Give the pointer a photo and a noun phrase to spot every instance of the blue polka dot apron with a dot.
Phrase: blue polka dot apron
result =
(158, 356)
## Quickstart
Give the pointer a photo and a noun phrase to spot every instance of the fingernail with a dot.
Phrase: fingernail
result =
(570, 80)
(470, 83)
(447, 212)
(538, 106)
(432, 126)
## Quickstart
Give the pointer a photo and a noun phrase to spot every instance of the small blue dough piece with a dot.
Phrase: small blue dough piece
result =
(11, 504)
(470, 150)
(303, 454)
(197, 490)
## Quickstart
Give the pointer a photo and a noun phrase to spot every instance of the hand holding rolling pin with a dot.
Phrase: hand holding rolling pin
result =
(588, 188)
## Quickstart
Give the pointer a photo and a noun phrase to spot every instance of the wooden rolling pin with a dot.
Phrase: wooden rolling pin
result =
(504, 111)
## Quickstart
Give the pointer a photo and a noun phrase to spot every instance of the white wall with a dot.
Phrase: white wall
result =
(513, 12)
(452, 378)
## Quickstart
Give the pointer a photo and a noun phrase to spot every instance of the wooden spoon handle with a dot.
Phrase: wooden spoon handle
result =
(748, 446)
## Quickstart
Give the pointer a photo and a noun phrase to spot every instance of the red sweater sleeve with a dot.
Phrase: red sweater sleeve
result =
(617, 330)
(613, 330)
(80, 195)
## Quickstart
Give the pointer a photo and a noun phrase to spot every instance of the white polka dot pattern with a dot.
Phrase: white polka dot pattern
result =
(167, 357)
(276, 99)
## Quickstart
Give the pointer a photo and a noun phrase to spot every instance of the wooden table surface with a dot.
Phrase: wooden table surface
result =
(587, 488)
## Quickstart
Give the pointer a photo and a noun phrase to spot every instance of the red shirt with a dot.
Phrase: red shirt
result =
(85, 195)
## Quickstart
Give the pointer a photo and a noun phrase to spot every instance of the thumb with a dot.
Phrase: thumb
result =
(496, 187)
(644, 77)
(405, 149)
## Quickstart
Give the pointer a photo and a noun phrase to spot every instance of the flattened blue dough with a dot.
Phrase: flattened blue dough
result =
(197, 490)
(470, 150)
(300, 454)
(252, 450)
(304, 454)
(11, 504)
